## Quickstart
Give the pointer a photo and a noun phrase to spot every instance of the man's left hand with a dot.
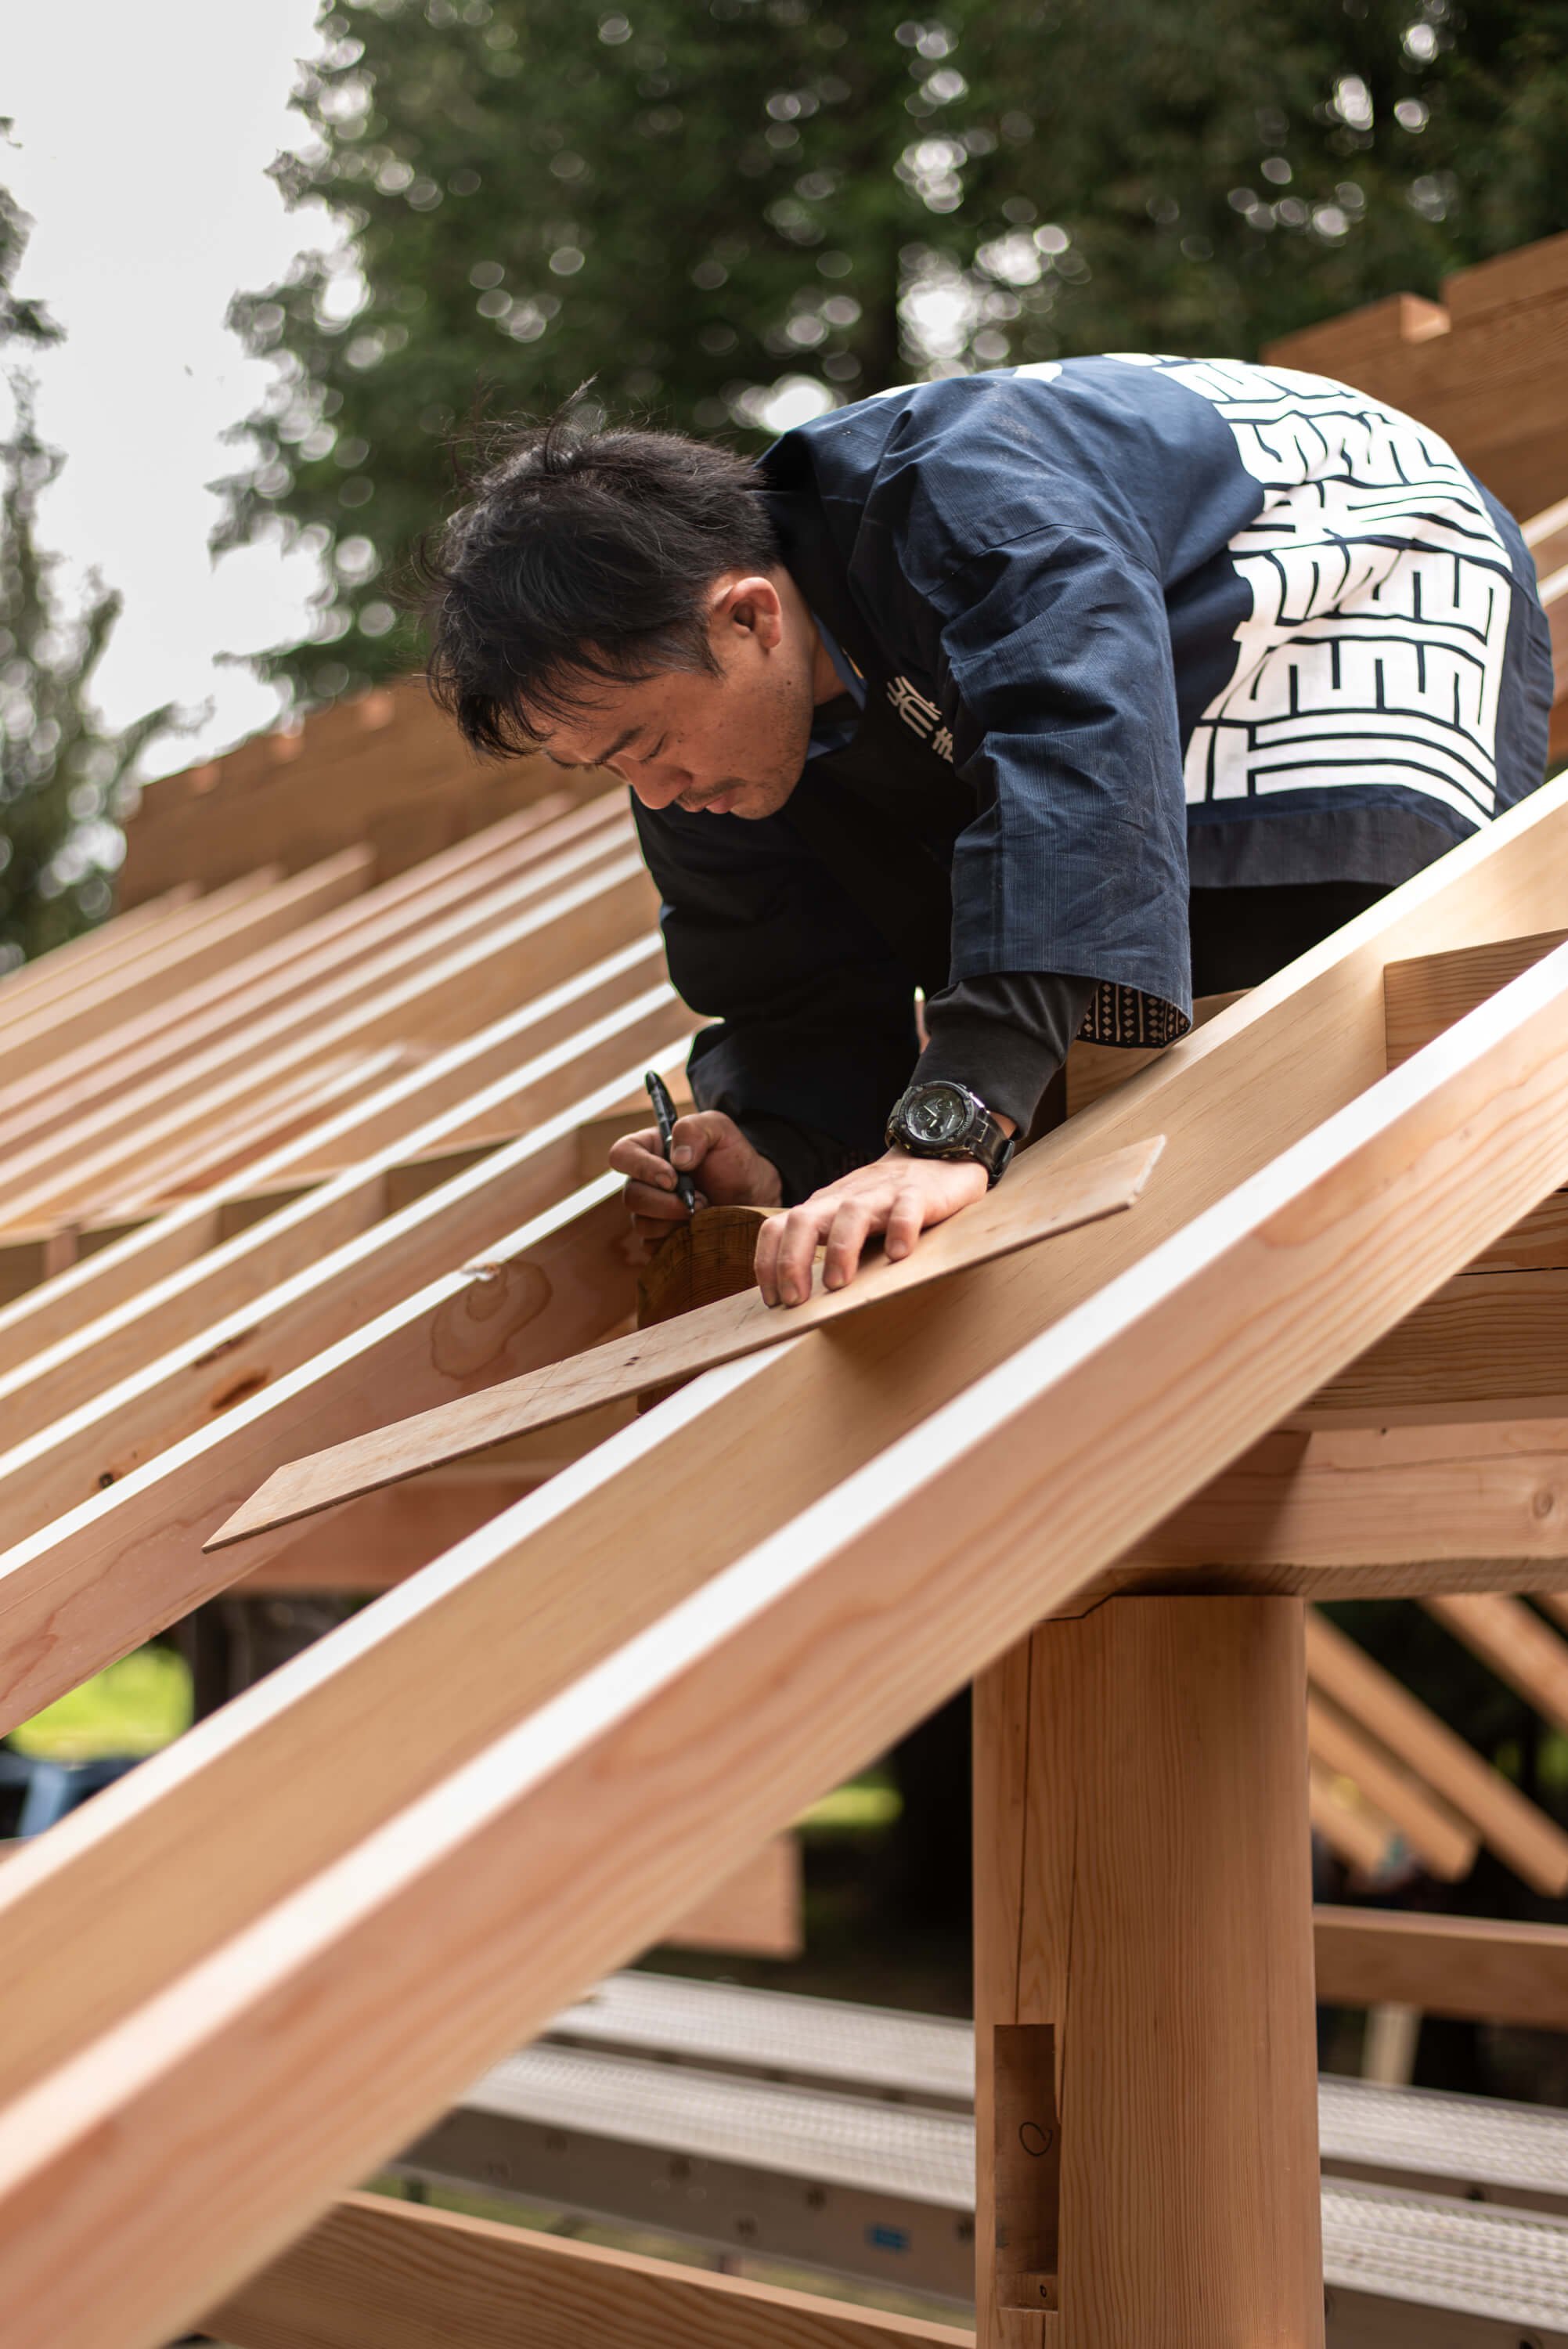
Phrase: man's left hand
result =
(897, 1196)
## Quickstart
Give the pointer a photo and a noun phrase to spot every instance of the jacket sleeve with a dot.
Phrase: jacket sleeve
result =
(814, 1036)
(1054, 665)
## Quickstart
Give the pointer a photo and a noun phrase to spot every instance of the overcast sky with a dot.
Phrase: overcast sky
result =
(142, 134)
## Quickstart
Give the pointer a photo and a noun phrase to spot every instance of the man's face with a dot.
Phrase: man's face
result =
(732, 740)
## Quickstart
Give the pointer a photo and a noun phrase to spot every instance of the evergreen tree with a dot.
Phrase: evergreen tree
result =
(63, 775)
(696, 206)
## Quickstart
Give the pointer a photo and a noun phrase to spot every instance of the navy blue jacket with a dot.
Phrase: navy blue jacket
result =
(1120, 626)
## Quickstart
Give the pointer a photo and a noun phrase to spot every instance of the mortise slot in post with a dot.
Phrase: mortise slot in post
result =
(1028, 2164)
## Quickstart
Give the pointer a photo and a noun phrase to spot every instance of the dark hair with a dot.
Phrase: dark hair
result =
(581, 556)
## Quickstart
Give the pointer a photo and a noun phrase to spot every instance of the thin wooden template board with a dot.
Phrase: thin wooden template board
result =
(696, 1341)
(379, 2274)
(576, 1835)
(413, 1673)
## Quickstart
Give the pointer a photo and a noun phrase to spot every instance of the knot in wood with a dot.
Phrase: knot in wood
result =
(476, 1325)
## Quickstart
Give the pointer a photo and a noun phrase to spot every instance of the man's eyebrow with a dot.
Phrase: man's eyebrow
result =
(597, 758)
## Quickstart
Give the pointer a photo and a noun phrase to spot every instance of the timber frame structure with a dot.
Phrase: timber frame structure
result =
(307, 1142)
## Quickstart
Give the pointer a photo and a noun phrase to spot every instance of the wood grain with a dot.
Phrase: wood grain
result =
(428, 1676)
(1428, 993)
(217, 1061)
(1476, 1968)
(413, 1112)
(576, 1836)
(379, 2274)
(527, 1604)
(1162, 1935)
(114, 1394)
(702, 1340)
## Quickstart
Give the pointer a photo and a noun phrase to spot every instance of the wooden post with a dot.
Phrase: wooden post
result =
(1144, 1970)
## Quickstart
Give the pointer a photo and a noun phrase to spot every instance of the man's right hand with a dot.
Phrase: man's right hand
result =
(711, 1149)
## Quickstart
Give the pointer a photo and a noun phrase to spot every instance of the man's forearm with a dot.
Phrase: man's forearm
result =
(1004, 1035)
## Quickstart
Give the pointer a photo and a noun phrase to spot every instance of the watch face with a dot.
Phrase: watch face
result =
(937, 1114)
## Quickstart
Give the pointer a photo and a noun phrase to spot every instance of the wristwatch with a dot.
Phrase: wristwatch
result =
(941, 1120)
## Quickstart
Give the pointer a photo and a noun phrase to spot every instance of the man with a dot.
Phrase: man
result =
(1058, 693)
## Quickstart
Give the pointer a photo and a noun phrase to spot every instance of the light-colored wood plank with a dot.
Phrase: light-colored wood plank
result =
(1484, 371)
(423, 1000)
(81, 961)
(576, 1832)
(756, 1912)
(433, 1672)
(1438, 1838)
(1546, 536)
(1163, 1955)
(703, 1340)
(263, 981)
(1492, 1344)
(1516, 1830)
(1355, 1830)
(1519, 1648)
(279, 1292)
(218, 932)
(397, 1118)
(379, 2274)
(1428, 993)
(387, 769)
(233, 1056)
(1475, 1968)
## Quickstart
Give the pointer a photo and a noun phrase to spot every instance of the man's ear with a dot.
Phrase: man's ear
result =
(750, 603)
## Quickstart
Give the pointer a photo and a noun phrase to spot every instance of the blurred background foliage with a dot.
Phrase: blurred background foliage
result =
(61, 770)
(731, 215)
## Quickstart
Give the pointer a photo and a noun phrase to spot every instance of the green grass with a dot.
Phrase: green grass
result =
(135, 1707)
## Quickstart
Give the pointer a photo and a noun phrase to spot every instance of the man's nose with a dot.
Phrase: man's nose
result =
(658, 789)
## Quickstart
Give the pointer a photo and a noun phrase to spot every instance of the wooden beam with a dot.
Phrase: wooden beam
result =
(1546, 536)
(1146, 2074)
(247, 1335)
(1489, 1345)
(1516, 1830)
(700, 1341)
(754, 1913)
(216, 933)
(1475, 1968)
(1483, 369)
(415, 1673)
(1518, 1646)
(426, 999)
(575, 1833)
(1441, 1841)
(379, 2274)
(76, 1161)
(1347, 1512)
(82, 960)
(401, 1118)
(1426, 993)
(385, 769)
(256, 983)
